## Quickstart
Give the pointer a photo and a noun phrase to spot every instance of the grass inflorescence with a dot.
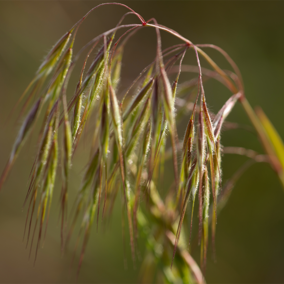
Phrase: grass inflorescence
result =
(128, 144)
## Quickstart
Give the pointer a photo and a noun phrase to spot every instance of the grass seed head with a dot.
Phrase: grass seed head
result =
(137, 139)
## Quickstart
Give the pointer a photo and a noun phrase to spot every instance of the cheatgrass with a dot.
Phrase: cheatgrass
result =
(131, 138)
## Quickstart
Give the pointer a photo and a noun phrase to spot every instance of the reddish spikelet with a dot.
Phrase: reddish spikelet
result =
(217, 179)
(200, 159)
(192, 185)
(223, 113)
(187, 150)
(215, 161)
(214, 167)
(104, 129)
(207, 121)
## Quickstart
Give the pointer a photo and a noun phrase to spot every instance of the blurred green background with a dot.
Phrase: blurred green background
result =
(250, 231)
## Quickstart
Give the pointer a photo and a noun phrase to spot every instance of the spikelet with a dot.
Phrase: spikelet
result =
(23, 134)
(47, 67)
(187, 149)
(81, 198)
(192, 188)
(117, 125)
(138, 99)
(67, 155)
(206, 202)
(142, 158)
(169, 112)
(200, 161)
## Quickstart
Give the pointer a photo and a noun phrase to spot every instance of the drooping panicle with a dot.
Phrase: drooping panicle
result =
(128, 145)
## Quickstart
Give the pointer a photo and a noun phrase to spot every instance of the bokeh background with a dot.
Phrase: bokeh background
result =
(250, 236)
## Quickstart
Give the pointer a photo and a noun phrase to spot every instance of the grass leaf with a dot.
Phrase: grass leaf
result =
(273, 136)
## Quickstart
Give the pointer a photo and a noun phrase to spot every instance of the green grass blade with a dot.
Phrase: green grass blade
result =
(273, 136)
